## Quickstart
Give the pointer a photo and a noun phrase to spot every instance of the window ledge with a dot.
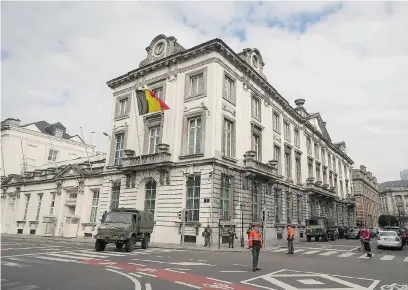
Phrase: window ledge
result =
(229, 101)
(34, 222)
(89, 224)
(192, 98)
(121, 117)
(277, 132)
(190, 156)
(230, 159)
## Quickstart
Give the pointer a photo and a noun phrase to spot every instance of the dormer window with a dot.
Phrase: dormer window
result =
(58, 132)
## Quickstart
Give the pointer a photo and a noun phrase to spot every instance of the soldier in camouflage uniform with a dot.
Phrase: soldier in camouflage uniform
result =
(231, 237)
(207, 236)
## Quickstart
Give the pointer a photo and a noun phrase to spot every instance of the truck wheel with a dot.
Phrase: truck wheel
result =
(130, 244)
(325, 238)
(100, 245)
(145, 242)
(333, 238)
(119, 246)
(309, 238)
(317, 239)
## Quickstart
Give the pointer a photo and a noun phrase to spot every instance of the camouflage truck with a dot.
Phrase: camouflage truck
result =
(125, 227)
(321, 227)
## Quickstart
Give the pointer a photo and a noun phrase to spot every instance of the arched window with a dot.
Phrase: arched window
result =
(150, 196)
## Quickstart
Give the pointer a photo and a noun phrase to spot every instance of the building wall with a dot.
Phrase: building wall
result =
(35, 146)
(394, 201)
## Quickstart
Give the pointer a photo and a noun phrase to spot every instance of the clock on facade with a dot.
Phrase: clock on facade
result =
(158, 49)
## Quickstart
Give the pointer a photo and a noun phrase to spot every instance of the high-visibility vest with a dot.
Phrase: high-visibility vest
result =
(255, 236)
(291, 232)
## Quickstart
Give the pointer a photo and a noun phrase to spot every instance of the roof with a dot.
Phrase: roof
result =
(47, 128)
(395, 183)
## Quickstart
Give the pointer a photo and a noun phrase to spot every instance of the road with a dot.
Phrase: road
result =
(61, 265)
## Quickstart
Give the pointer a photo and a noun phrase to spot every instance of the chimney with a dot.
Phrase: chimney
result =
(91, 138)
(363, 168)
(11, 122)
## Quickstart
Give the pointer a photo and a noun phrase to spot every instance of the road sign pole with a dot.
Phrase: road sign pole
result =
(183, 225)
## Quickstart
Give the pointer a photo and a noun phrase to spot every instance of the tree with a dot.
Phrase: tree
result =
(394, 221)
(383, 220)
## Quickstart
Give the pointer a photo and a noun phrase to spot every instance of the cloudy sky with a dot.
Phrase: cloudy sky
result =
(348, 60)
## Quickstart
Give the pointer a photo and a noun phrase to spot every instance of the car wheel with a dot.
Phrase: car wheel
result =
(100, 245)
(400, 248)
(130, 244)
(379, 247)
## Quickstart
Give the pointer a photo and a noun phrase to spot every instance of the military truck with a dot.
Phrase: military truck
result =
(321, 227)
(125, 227)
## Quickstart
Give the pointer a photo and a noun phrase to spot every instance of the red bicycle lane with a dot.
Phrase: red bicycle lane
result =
(192, 280)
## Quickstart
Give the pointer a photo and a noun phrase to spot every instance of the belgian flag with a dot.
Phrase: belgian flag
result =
(148, 102)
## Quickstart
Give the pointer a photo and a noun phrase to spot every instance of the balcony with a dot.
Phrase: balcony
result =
(163, 157)
(316, 188)
(71, 202)
(259, 168)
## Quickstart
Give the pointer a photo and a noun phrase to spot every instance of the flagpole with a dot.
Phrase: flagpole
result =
(137, 126)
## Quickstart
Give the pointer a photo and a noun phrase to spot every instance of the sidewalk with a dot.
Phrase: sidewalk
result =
(275, 244)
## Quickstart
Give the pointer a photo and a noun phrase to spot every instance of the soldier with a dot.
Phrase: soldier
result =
(207, 236)
(255, 243)
(231, 237)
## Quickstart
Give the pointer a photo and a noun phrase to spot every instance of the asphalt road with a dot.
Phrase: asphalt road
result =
(61, 265)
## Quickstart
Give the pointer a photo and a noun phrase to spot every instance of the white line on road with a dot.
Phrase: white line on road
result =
(114, 267)
(202, 261)
(240, 265)
(233, 271)
(29, 287)
(59, 259)
(136, 275)
(103, 253)
(346, 255)
(298, 250)
(188, 285)
(138, 286)
(148, 286)
(10, 284)
(280, 250)
(328, 253)
(68, 256)
(365, 256)
(138, 264)
(160, 262)
(147, 274)
(387, 258)
(406, 259)
(31, 254)
(311, 252)
(85, 255)
(218, 280)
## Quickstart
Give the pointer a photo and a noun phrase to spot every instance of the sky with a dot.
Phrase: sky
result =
(348, 60)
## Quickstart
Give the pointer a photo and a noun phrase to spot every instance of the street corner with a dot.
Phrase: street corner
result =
(301, 280)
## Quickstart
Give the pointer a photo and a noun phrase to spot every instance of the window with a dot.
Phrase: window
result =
(347, 187)
(329, 160)
(277, 208)
(298, 169)
(341, 188)
(52, 205)
(194, 136)
(119, 148)
(229, 89)
(345, 171)
(276, 123)
(318, 178)
(26, 206)
(228, 138)
(297, 138)
(40, 196)
(288, 164)
(123, 107)
(310, 168)
(323, 156)
(276, 149)
(334, 163)
(316, 151)
(287, 131)
(197, 85)
(150, 196)
(159, 92)
(324, 176)
(154, 137)
(115, 195)
(309, 145)
(225, 197)
(52, 155)
(58, 132)
(255, 200)
(94, 207)
(256, 145)
(335, 182)
(340, 169)
(193, 198)
(256, 108)
(299, 209)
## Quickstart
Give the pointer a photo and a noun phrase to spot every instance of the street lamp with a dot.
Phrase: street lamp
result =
(242, 207)
(399, 206)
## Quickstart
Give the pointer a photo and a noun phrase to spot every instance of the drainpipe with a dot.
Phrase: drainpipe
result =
(212, 197)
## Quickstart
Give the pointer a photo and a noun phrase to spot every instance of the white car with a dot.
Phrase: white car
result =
(389, 239)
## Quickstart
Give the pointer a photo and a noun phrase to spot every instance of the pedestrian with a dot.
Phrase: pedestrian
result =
(255, 243)
(291, 237)
(231, 237)
(365, 236)
(207, 236)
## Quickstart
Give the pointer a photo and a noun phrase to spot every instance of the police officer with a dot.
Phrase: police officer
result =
(207, 236)
(255, 243)
(291, 237)
(231, 237)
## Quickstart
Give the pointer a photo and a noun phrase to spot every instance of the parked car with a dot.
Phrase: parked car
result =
(389, 239)
(342, 232)
(399, 231)
(374, 232)
(353, 233)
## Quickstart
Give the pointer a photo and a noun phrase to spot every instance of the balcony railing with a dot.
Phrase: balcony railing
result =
(162, 156)
(251, 163)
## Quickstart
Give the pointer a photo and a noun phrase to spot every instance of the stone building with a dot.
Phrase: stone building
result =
(394, 199)
(367, 197)
(231, 149)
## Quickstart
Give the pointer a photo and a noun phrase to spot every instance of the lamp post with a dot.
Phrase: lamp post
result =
(242, 207)
(399, 206)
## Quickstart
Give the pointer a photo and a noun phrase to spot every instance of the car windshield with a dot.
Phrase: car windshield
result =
(388, 234)
(315, 222)
(118, 217)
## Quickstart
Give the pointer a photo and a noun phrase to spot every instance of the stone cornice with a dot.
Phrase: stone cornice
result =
(249, 74)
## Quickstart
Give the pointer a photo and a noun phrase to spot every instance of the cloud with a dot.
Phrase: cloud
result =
(349, 60)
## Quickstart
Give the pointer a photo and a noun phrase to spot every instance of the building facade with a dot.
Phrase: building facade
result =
(367, 197)
(231, 149)
(62, 201)
(24, 147)
(404, 174)
(394, 199)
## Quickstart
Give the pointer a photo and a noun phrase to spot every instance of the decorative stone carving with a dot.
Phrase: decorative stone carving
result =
(59, 187)
(250, 154)
(310, 180)
(164, 176)
(319, 183)
(81, 185)
(160, 47)
(163, 148)
(129, 152)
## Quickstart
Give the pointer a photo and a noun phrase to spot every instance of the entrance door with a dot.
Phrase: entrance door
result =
(11, 216)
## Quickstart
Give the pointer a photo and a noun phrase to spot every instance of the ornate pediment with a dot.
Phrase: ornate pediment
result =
(12, 179)
(160, 47)
(71, 171)
(317, 122)
(253, 57)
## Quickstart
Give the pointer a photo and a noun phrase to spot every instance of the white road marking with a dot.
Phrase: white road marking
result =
(138, 286)
(218, 280)
(346, 255)
(103, 253)
(114, 267)
(160, 262)
(148, 286)
(68, 256)
(328, 253)
(240, 265)
(188, 285)
(233, 271)
(172, 270)
(202, 261)
(85, 255)
(311, 252)
(147, 274)
(31, 254)
(191, 264)
(387, 258)
(406, 259)
(280, 250)
(29, 287)
(13, 264)
(298, 250)
(136, 275)
(29, 248)
(10, 284)
(365, 256)
(59, 259)
(137, 264)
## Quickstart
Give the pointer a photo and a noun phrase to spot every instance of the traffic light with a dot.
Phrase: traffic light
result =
(179, 215)
(185, 215)
(263, 215)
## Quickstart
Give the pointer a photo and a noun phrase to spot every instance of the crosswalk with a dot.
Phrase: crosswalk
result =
(341, 254)
(7, 284)
(76, 256)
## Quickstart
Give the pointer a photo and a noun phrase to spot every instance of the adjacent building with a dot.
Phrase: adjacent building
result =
(394, 198)
(367, 197)
(404, 174)
(231, 149)
(24, 147)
